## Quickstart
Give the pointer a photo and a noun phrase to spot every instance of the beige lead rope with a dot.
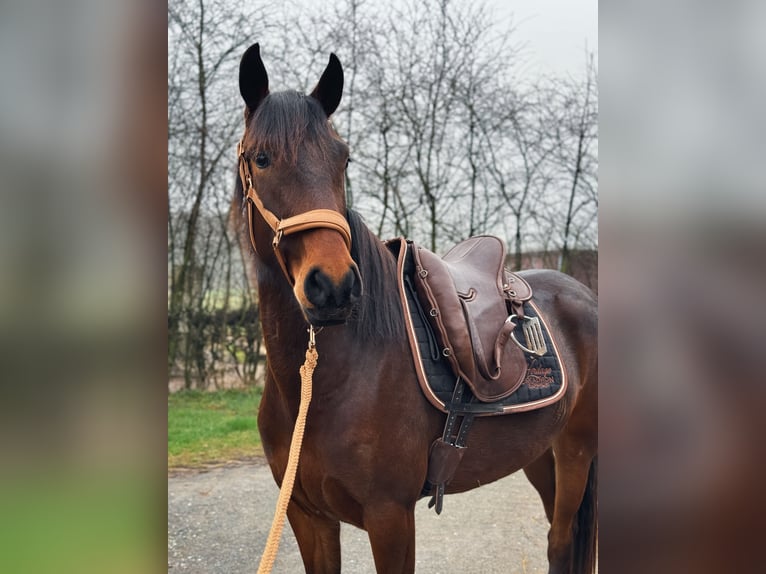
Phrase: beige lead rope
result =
(272, 542)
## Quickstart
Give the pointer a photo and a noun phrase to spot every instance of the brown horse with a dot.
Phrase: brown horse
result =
(366, 445)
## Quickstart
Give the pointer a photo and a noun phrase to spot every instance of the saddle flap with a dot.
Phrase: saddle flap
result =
(466, 296)
(440, 299)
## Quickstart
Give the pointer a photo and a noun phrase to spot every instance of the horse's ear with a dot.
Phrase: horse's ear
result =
(253, 80)
(330, 87)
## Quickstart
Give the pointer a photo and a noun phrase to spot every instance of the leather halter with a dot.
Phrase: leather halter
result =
(313, 219)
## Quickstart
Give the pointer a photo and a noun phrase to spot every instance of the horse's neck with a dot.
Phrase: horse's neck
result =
(281, 319)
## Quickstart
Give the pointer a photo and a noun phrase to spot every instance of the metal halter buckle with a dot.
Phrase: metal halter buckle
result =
(313, 335)
(277, 238)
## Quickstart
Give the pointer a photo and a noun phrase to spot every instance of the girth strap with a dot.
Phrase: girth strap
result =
(447, 451)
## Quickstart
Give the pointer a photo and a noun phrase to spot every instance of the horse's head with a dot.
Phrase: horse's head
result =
(292, 165)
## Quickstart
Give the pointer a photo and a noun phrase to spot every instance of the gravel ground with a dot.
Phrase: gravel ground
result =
(218, 521)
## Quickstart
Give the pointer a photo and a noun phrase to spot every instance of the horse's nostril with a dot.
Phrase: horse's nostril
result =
(318, 287)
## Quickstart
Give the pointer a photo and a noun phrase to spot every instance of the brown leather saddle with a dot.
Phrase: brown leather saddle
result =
(473, 305)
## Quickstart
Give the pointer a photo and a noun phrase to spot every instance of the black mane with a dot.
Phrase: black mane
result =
(378, 315)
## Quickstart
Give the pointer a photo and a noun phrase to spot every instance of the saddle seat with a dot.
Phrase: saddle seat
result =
(471, 302)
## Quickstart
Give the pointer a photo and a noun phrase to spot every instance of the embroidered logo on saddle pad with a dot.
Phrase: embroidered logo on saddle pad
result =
(538, 378)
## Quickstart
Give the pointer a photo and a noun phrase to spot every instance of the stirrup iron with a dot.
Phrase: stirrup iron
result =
(533, 336)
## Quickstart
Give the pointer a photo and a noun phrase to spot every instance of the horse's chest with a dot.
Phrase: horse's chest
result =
(325, 447)
(327, 486)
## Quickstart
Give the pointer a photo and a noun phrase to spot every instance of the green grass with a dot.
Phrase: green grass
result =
(62, 522)
(207, 427)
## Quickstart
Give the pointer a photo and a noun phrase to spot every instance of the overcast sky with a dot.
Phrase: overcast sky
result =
(554, 33)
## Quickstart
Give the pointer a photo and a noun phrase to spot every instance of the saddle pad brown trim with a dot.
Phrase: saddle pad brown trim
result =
(414, 348)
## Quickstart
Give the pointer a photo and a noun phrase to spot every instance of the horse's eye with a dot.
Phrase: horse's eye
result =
(348, 161)
(262, 160)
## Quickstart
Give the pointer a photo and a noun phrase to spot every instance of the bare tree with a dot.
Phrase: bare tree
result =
(483, 91)
(206, 37)
(576, 153)
(433, 55)
(518, 156)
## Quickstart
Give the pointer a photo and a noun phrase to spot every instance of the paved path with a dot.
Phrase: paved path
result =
(218, 522)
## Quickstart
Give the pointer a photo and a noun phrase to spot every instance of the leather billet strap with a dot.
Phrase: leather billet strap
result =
(313, 219)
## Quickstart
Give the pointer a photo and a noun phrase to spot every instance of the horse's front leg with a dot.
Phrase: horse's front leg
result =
(391, 528)
(318, 540)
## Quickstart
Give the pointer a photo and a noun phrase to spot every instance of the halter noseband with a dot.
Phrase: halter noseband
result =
(315, 218)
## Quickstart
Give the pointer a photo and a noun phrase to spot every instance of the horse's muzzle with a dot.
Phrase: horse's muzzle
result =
(332, 301)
